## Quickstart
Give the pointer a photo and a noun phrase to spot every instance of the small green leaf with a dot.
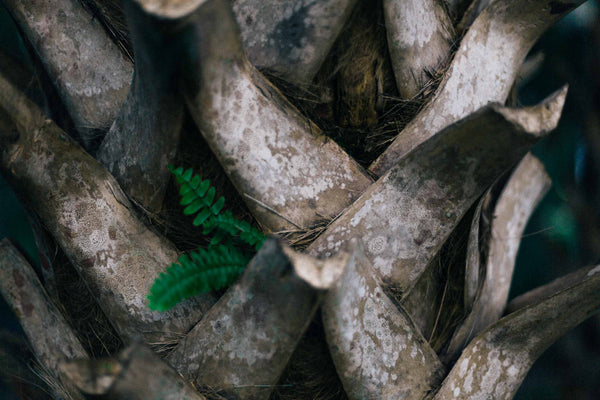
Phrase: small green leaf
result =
(195, 181)
(201, 217)
(188, 175)
(194, 207)
(201, 191)
(210, 195)
(217, 238)
(188, 198)
(218, 206)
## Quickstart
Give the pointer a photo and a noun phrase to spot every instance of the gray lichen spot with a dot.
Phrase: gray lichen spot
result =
(292, 32)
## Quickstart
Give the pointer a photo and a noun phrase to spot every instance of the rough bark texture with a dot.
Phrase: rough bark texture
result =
(151, 116)
(244, 342)
(189, 54)
(427, 303)
(89, 71)
(483, 69)
(406, 216)
(525, 188)
(84, 209)
(270, 152)
(419, 38)
(291, 38)
(420, 302)
(48, 332)
(136, 374)
(377, 350)
(496, 362)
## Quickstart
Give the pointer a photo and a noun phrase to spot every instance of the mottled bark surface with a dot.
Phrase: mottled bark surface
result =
(88, 69)
(290, 38)
(137, 373)
(47, 330)
(84, 209)
(390, 330)
(377, 350)
(482, 71)
(497, 360)
(244, 342)
(525, 188)
(151, 116)
(419, 38)
(268, 149)
(404, 218)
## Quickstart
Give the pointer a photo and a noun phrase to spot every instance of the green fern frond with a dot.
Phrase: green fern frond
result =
(199, 272)
(226, 223)
(209, 269)
(197, 194)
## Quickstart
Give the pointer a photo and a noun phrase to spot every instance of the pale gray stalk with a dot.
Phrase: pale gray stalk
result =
(525, 188)
(49, 334)
(495, 363)
(290, 38)
(419, 36)
(407, 215)
(483, 69)
(245, 340)
(90, 72)
(83, 208)
(136, 373)
(377, 350)
(142, 141)
(289, 173)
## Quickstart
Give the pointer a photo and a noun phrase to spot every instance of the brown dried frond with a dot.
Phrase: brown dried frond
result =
(165, 347)
(212, 393)
(15, 368)
(300, 239)
(450, 263)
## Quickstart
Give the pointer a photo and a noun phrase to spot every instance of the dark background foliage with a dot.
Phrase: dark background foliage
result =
(564, 232)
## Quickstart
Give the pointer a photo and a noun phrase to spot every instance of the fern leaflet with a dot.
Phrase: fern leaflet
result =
(226, 223)
(199, 272)
(198, 196)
